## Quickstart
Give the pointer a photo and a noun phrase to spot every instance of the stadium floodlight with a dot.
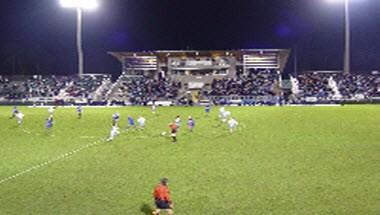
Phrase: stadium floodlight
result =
(80, 5)
(347, 53)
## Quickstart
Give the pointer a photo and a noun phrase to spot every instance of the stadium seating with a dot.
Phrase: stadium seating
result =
(139, 90)
(44, 86)
(85, 86)
(255, 83)
(257, 87)
(354, 86)
(314, 87)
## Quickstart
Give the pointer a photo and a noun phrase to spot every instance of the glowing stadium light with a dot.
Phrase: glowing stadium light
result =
(338, 1)
(82, 4)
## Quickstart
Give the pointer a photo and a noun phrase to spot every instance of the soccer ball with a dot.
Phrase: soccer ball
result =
(163, 133)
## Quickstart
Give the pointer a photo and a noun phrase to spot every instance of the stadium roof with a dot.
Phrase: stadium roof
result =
(166, 53)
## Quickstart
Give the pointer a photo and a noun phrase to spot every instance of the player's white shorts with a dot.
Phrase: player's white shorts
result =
(113, 134)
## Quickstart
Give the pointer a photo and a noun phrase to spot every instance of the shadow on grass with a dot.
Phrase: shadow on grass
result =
(146, 209)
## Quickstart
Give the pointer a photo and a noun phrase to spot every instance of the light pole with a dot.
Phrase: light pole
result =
(347, 53)
(79, 5)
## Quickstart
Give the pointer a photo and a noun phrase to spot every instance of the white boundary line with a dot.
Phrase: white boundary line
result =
(58, 158)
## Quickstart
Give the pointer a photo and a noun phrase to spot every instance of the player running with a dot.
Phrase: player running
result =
(225, 116)
(51, 110)
(178, 122)
(131, 122)
(115, 118)
(114, 132)
(221, 112)
(14, 112)
(173, 130)
(232, 124)
(154, 108)
(190, 124)
(207, 109)
(49, 122)
(162, 200)
(19, 118)
(141, 121)
(79, 111)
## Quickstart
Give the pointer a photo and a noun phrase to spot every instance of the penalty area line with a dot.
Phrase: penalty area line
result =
(51, 161)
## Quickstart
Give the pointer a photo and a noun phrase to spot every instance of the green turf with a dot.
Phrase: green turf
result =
(282, 160)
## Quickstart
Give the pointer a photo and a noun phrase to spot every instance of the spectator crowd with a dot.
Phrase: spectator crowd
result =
(255, 83)
(139, 90)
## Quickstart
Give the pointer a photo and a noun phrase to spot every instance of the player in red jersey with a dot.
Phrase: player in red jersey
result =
(173, 128)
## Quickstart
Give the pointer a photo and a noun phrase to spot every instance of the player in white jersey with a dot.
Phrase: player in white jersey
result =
(154, 108)
(221, 111)
(19, 117)
(79, 111)
(225, 116)
(115, 118)
(14, 112)
(178, 122)
(141, 121)
(51, 110)
(114, 132)
(232, 124)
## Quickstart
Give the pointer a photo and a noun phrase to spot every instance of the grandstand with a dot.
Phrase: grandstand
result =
(323, 87)
(52, 89)
(200, 76)
(239, 77)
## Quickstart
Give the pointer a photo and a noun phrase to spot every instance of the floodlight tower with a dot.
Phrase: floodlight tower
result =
(80, 5)
(347, 53)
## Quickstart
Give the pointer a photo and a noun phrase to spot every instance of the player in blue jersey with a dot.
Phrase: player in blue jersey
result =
(190, 124)
(79, 111)
(115, 118)
(207, 109)
(131, 122)
(14, 112)
(49, 122)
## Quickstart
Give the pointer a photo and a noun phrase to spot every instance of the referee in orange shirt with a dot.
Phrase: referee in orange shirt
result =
(161, 195)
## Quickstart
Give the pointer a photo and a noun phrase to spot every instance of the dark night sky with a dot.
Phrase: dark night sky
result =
(39, 35)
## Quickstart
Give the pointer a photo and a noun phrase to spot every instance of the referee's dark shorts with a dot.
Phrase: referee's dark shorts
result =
(162, 204)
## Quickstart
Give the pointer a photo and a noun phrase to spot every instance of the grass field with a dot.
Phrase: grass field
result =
(282, 160)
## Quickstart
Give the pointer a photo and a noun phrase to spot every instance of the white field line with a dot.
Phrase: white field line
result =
(58, 158)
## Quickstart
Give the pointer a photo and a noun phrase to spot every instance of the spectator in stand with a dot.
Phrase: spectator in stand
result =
(314, 85)
(255, 83)
(353, 86)
(142, 89)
